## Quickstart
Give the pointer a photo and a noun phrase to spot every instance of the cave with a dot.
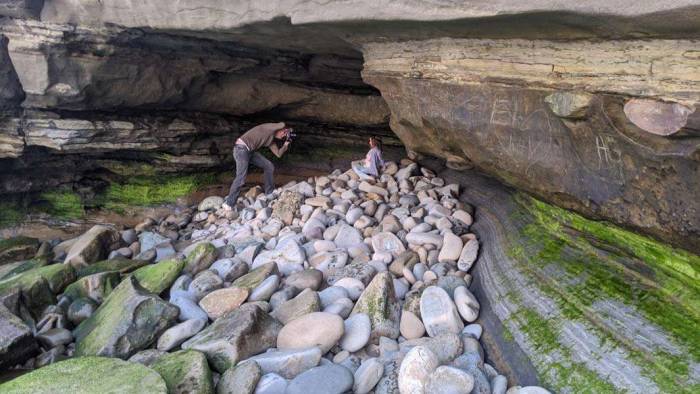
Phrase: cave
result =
(571, 128)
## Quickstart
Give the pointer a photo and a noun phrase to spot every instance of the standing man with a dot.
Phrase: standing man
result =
(245, 151)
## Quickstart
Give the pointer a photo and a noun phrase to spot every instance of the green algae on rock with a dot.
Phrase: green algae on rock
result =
(117, 264)
(185, 371)
(129, 320)
(200, 258)
(17, 248)
(88, 375)
(253, 278)
(58, 276)
(158, 277)
(96, 286)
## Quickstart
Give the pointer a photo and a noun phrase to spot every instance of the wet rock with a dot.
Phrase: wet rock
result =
(222, 301)
(288, 363)
(241, 379)
(92, 374)
(416, 367)
(315, 329)
(176, 335)
(329, 379)
(81, 309)
(242, 333)
(128, 321)
(92, 246)
(160, 276)
(17, 343)
(185, 372)
(449, 380)
(379, 302)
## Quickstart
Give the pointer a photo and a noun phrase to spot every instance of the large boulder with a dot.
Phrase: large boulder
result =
(17, 342)
(185, 372)
(37, 287)
(158, 277)
(241, 333)
(92, 246)
(117, 264)
(88, 375)
(379, 302)
(129, 320)
(96, 286)
(17, 248)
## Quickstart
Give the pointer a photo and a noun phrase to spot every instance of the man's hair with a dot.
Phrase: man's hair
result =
(377, 141)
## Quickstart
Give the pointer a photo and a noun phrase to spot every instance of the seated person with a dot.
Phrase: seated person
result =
(373, 164)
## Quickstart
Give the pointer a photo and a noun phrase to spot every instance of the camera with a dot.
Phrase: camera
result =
(291, 134)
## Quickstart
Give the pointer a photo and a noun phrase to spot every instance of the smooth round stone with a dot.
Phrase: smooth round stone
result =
(341, 307)
(384, 257)
(206, 282)
(357, 330)
(307, 279)
(449, 380)
(387, 242)
(354, 287)
(473, 330)
(229, 269)
(467, 304)
(182, 283)
(332, 294)
(439, 313)
(288, 363)
(325, 261)
(81, 309)
(353, 214)
(429, 276)
(264, 290)
(271, 383)
(411, 326)
(499, 385)
(377, 265)
(176, 335)
(367, 376)
(324, 246)
(421, 228)
(188, 309)
(424, 238)
(468, 255)
(327, 379)
(418, 270)
(415, 370)
(315, 329)
(283, 295)
(532, 390)
(222, 301)
(451, 247)
(400, 289)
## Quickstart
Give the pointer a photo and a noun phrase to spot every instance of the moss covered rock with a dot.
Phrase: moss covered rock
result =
(158, 277)
(38, 286)
(129, 320)
(253, 278)
(379, 302)
(87, 375)
(96, 286)
(17, 248)
(119, 264)
(13, 269)
(185, 371)
(200, 258)
(17, 343)
(92, 246)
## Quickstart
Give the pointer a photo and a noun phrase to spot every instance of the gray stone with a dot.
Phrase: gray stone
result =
(388, 243)
(446, 347)
(188, 308)
(367, 375)
(288, 363)
(17, 343)
(468, 255)
(242, 333)
(147, 357)
(204, 283)
(229, 269)
(176, 335)
(211, 203)
(357, 331)
(357, 270)
(92, 246)
(55, 337)
(264, 290)
(185, 372)
(271, 383)
(330, 379)
(241, 379)
(467, 304)
(306, 302)
(309, 278)
(222, 301)
(81, 309)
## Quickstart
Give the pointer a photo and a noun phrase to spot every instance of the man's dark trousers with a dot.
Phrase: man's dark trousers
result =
(243, 157)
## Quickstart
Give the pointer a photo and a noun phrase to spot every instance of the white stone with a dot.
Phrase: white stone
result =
(474, 330)
(355, 287)
(439, 313)
(449, 380)
(314, 329)
(387, 242)
(468, 255)
(176, 335)
(411, 326)
(424, 238)
(368, 375)
(288, 363)
(415, 369)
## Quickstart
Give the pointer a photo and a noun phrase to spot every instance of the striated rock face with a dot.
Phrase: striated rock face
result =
(559, 126)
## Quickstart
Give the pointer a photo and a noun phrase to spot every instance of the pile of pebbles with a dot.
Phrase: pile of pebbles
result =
(329, 285)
